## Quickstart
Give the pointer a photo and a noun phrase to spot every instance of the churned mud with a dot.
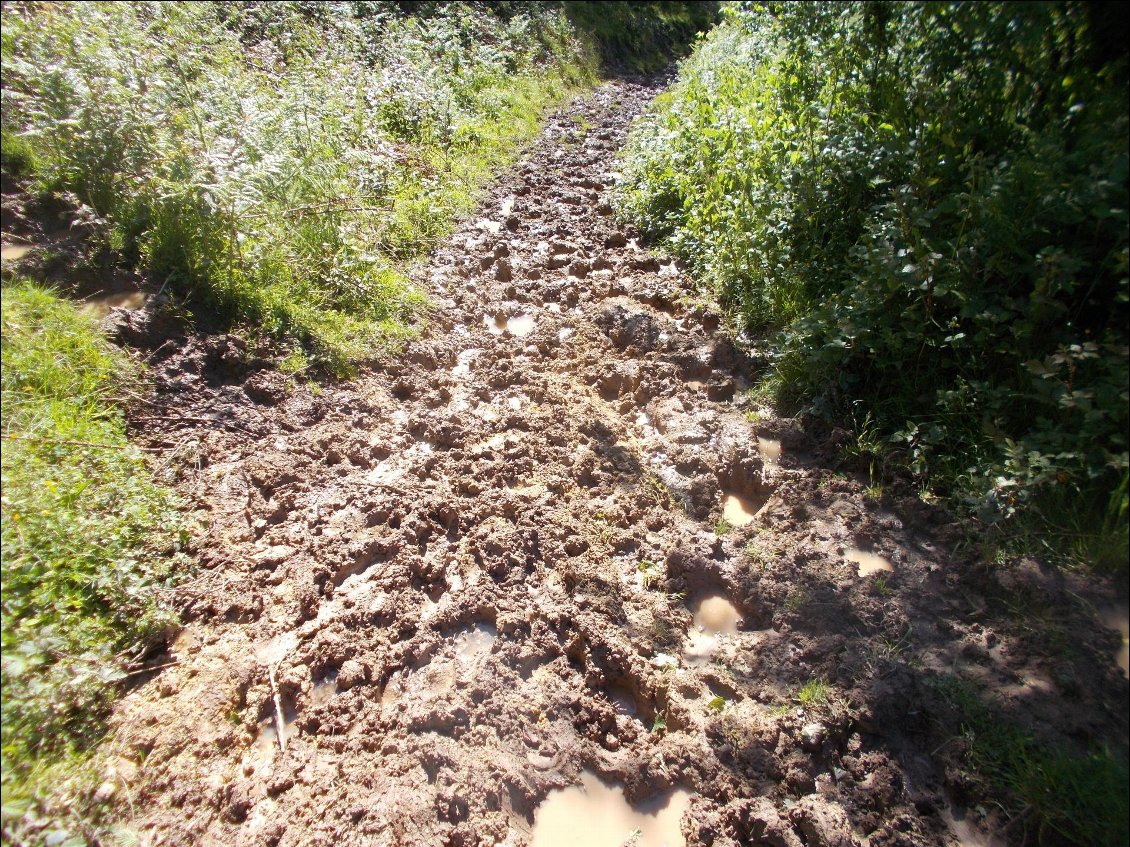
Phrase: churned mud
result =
(551, 578)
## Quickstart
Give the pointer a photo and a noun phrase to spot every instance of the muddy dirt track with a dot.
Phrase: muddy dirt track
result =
(554, 543)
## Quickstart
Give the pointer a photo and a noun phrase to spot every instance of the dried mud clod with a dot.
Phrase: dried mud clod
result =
(549, 539)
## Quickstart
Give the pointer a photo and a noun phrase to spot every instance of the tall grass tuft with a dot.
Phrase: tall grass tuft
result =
(281, 163)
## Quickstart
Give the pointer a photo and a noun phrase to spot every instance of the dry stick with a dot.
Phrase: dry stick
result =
(280, 726)
(226, 424)
(140, 671)
(172, 455)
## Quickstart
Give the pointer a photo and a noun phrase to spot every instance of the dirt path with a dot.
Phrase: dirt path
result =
(472, 575)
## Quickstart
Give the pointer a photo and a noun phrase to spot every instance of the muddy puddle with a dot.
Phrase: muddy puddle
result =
(101, 305)
(770, 450)
(519, 325)
(463, 362)
(595, 814)
(867, 562)
(473, 643)
(15, 252)
(966, 833)
(1118, 619)
(739, 510)
(715, 618)
(324, 690)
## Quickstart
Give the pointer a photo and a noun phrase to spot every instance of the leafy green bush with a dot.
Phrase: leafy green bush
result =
(282, 162)
(642, 36)
(88, 539)
(929, 203)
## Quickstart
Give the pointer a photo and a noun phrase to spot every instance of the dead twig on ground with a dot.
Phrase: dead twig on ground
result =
(280, 725)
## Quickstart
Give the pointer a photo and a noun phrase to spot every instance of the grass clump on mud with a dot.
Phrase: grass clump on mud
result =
(1057, 798)
(927, 204)
(88, 541)
(281, 164)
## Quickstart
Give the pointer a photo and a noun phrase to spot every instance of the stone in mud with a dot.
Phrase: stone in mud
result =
(503, 271)
(557, 262)
(615, 241)
(351, 674)
(580, 269)
(812, 736)
(702, 495)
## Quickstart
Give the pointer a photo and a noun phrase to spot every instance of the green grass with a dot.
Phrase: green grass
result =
(277, 169)
(813, 693)
(1057, 797)
(89, 541)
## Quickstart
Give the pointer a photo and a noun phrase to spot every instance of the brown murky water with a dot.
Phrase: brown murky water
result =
(866, 562)
(595, 814)
(519, 325)
(714, 618)
(15, 252)
(770, 449)
(966, 833)
(475, 642)
(101, 305)
(1118, 619)
(738, 510)
(324, 690)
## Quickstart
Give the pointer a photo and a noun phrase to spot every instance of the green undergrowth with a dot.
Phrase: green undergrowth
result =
(89, 542)
(641, 37)
(1057, 798)
(923, 209)
(282, 165)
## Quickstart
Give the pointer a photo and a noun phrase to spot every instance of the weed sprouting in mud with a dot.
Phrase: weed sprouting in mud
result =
(813, 693)
(649, 572)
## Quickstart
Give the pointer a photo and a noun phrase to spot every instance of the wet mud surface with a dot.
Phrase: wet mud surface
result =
(556, 545)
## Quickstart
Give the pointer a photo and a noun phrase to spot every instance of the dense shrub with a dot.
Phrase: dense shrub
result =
(282, 162)
(929, 202)
(642, 36)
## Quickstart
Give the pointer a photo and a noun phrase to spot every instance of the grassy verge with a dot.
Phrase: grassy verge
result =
(925, 208)
(281, 165)
(88, 542)
(1056, 798)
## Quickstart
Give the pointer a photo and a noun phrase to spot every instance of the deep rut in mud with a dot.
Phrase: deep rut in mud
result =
(555, 542)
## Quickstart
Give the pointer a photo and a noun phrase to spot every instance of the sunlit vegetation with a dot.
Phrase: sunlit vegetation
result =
(88, 540)
(281, 164)
(926, 206)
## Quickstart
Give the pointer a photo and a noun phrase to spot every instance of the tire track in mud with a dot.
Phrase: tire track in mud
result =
(556, 537)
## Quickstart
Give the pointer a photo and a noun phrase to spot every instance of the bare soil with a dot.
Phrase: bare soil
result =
(469, 575)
